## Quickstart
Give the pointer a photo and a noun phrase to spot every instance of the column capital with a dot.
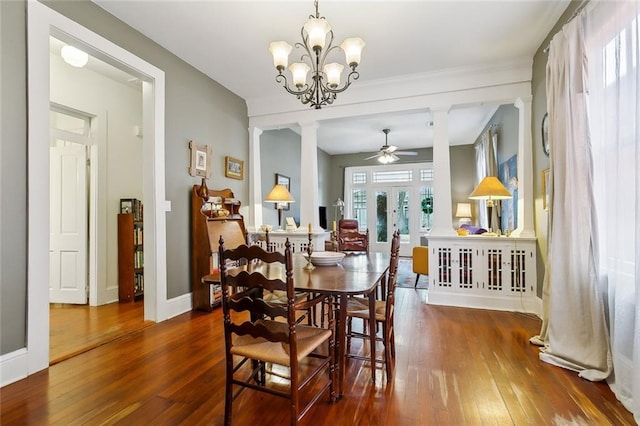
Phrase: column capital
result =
(309, 124)
(255, 131)
(440, 108)
(522, 101)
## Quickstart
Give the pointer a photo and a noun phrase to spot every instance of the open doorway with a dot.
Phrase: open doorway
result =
(43, 23)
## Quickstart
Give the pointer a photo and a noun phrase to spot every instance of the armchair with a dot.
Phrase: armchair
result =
(350, 238)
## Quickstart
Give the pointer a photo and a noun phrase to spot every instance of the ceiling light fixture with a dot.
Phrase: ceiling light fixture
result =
(74, 56)
(325, 78)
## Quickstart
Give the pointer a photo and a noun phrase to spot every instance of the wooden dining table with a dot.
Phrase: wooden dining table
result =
(357, 274)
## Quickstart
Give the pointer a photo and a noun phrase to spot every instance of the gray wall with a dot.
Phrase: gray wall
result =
(197, 108)
(280, 153)
(13, 177)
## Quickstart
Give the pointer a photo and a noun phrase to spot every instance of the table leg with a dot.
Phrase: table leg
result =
(372, 333)
(341, 343)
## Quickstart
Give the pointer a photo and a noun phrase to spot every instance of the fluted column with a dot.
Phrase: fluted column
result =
(525, 170)
(255, 179)
(442, 211)
(309, 176)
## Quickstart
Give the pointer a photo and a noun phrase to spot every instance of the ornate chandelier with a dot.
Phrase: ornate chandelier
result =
(325, 79)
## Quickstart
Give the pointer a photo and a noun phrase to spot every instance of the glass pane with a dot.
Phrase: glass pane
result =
(402, 213)
(426, 208)
(69, 123)
(426, 174)
(359, 177)
(393, 176)
(381, 217)
(359, 207)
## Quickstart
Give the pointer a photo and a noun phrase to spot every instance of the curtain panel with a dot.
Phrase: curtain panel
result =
(591, 292)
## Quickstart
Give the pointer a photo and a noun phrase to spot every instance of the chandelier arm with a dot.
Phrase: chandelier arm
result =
(353, 74)
(282, 79)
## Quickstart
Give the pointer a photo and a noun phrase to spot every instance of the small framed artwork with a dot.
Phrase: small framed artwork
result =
(286, 182)
(233, 168)
(126, 205)
(546, 187)
(200, 160)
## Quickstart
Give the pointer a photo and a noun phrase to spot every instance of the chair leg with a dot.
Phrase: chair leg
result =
(417, 278)
(228, 394)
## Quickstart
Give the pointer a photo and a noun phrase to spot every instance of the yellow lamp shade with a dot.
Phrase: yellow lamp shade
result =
(490, 189)
(280, 194)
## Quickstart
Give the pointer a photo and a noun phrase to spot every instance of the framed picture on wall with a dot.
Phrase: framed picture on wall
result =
(233, 168)
(200, 160)
(286, 182)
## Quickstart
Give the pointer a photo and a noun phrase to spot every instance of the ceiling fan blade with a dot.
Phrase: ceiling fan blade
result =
(391, 148)
(394, 156)
(406, 153)
(373, 156)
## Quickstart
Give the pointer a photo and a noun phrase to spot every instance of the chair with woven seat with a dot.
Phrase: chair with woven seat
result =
(251, 335)
(350, 238)
(358, 307)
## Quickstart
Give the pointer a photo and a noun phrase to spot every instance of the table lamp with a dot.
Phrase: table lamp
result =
(280, 195)
(490, 189)
(463, 212)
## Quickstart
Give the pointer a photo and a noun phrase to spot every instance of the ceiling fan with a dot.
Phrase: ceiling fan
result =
(388, 153)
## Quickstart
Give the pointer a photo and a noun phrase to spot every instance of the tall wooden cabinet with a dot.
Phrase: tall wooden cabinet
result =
(130, 258)
(206, 296)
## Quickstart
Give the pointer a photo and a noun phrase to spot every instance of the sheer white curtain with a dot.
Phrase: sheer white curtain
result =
(592, 283)
(486, 165)
(574, 334)
(611, 36)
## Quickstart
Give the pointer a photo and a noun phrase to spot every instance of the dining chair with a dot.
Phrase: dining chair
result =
(252, 335)
(358, 307)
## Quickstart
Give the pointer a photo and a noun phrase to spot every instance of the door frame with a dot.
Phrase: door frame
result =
(41, 23)
(413, 186)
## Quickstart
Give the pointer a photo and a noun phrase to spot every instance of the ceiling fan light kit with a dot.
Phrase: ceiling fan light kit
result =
(388, 153)
(317, 39)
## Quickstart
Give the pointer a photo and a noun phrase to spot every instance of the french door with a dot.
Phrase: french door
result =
(388, 198)
(392, 211)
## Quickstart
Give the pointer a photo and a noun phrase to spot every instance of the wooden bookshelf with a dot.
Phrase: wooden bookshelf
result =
(130, 257)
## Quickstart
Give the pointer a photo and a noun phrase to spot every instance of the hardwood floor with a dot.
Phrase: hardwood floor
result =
(454, 366)
(74, 329)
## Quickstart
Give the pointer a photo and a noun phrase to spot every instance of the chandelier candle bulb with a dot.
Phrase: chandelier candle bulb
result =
(317, 30)
(299, 72)
(333, 71)
(280, 51)
(352, 48)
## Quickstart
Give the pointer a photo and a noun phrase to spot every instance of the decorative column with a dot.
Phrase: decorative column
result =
(309, 175)
(442, 211)
(255, 179)
(525, 171)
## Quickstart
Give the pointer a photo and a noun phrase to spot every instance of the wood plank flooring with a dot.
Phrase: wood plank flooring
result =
(74, 329)
(454, 367)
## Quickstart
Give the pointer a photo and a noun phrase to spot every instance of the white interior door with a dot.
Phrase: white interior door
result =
(68, 223)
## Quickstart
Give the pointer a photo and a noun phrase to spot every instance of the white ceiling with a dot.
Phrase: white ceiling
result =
(228, 41)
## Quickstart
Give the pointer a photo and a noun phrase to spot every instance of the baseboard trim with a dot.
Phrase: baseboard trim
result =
(14, 366)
